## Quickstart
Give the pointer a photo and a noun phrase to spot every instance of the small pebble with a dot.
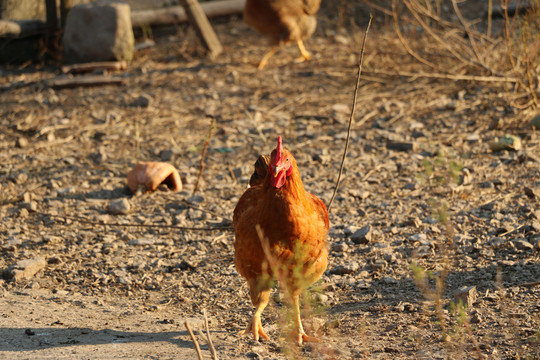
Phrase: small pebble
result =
(349, 268)
(166, 155)
(141, 242)
(466, 295)
(22, 142)
(523, 245)
(362, 236)
(120, 206)
(142, 101)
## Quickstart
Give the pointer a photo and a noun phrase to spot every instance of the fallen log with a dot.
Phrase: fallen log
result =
(177, 14)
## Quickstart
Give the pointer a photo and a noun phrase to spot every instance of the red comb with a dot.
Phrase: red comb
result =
(279, 150)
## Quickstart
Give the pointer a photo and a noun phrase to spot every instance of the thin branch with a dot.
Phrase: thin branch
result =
(210, 343)
(404, 42)
(378, 7)
(206, 143)
(507, 37)
(351, 118)
(495, 79)
(467, 28)
(475, 343)
(101, 223)
(445, 23)
(195, 207)
(430, 31)
(489, 18)
(194, 339)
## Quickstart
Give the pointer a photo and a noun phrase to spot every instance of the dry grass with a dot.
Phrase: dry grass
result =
(445, 44)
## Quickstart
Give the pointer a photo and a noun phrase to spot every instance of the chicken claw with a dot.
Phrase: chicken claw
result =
(147, 176)
(302, 336)
(306, 56)
(255, 328)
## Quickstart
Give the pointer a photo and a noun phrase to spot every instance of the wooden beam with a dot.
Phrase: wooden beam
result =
(22, 28)
(166, 16)
(52, 16)
(177, 14)
(202, 26)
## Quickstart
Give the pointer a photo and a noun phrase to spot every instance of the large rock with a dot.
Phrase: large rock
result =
(99, 31)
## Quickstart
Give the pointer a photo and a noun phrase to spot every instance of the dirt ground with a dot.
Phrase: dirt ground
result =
(122, 285)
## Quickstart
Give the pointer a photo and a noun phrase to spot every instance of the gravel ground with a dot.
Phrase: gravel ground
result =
(427, 214)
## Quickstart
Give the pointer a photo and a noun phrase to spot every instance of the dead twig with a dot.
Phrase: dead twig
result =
(195, 207)
(489, 18)
(444, 43)
(378, 7)
(194, 339)
(355, 95)
(64, 82)
(206, 143)
(404, 42)
(470, 36)
(473, 339)
(510, 56)
(494, 79)
(91, 66)
(101, 223)
(210, 343)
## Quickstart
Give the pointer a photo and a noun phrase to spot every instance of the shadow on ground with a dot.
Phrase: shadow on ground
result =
(19, 339)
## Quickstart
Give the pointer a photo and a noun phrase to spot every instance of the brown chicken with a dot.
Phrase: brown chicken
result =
(260, 171)
(281, 233)
(282, 21)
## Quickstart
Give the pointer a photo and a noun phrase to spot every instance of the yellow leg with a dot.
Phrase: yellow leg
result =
(266, 57)
(259, 298)
(305, 54)
(301, 334)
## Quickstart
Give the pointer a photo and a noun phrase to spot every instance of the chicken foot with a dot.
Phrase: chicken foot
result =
(302, 337)
(259, 299)
(266, 57)
(305, 54)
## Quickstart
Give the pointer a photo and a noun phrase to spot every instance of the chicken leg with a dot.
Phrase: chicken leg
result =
(259, 298)
(305, 54)
(266, 57)
(301, 334)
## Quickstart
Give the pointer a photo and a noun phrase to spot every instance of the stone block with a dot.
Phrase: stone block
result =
(99, 31)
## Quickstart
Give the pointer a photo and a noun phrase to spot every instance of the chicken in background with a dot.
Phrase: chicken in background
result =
(282, 21)
(260, 170)
(280, 232)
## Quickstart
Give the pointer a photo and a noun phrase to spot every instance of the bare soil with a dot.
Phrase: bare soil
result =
(122, 285)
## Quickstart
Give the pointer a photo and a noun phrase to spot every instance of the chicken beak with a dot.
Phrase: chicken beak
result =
(277, 170)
